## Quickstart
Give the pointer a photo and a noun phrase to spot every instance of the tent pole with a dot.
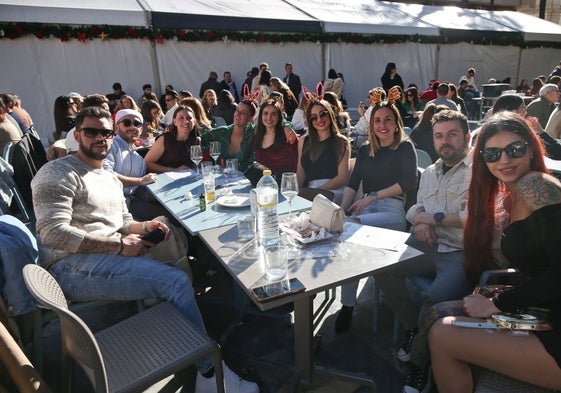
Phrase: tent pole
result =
(153, 53)
(436, 62)
(155, 67)
(324, 62)
(518, 67)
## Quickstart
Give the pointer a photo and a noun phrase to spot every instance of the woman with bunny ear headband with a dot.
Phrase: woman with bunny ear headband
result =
(323, 154)
(386, 168)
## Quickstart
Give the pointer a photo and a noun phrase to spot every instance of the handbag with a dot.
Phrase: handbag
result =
(531, 318)
(327, 214)
(255, 171)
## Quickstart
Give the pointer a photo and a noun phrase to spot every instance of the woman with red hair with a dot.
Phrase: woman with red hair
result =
(514, 202)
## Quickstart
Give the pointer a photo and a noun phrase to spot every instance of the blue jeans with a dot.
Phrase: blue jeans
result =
(383, 213)
(449, 282)
(104, 276)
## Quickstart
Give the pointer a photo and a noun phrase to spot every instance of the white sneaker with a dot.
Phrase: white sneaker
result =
(232, 383)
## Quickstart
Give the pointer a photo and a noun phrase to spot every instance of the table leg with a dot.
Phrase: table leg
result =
(303, 333)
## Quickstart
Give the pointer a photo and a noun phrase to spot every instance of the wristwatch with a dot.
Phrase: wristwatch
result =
(372, 194)
(438, 217)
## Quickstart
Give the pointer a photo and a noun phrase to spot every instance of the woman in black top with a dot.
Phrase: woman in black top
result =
(387, 168)
(422, 132)
(323, 155)
(510, 188)
(391, 78)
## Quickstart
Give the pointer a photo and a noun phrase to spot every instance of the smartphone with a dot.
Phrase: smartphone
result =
(155, 236)
(275, 290)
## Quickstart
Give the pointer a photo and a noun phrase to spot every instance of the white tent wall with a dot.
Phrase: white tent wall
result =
(44, 69)
(185, 65)
(537, 61)
(489, 61)
(363, 65)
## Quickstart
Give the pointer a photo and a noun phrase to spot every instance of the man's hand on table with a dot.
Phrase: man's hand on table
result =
(148, 179)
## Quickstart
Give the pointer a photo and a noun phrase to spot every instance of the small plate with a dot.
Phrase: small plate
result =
(234, 200)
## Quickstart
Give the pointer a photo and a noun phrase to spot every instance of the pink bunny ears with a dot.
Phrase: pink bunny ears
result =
(318, 94)
(254, 98)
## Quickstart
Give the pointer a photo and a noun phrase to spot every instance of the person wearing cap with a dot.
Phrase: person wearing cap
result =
(122, 158)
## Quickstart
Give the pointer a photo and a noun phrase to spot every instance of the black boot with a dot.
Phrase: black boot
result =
(418, 379)
(403, 352)
(344, 319)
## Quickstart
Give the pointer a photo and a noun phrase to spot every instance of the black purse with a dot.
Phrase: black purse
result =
(255, 171)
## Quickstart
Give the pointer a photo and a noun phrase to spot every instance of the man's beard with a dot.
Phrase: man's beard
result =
(456, 155)
(88, 152)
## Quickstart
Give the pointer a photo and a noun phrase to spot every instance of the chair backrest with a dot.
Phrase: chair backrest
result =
(219, 121)
(26, 157)
(78, 341)
(6, 151)
(423, 159)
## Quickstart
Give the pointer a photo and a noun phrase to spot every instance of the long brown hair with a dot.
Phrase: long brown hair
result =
(260, 128)
(314, 146)
(486, 191)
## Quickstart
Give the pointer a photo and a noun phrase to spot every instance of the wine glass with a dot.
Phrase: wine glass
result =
(289, 189)
(215, 150)
(196, 156)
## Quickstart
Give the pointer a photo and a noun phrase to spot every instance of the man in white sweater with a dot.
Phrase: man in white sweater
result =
(93, 247)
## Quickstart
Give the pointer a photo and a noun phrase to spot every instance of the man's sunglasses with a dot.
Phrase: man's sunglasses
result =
(91, 132)
(515, 150)
(322, 114)
(128, 122)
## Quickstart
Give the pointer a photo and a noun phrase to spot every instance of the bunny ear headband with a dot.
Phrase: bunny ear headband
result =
(393, 95)
(318, 94)
(254, 98)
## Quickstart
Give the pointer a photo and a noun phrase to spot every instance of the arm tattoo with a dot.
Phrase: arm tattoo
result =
(539, 191)
(93, 244)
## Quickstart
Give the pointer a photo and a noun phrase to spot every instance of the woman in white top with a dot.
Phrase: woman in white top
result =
(334, 83)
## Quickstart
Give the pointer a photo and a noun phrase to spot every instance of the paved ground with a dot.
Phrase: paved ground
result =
(263, 338)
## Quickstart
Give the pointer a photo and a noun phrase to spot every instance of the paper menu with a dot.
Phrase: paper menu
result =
(373, 237)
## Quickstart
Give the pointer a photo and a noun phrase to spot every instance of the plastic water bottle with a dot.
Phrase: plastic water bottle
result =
(267, 218)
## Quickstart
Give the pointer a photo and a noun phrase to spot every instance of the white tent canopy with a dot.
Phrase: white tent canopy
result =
(75, 12)
(242, 15)
(357, 16)
(534, 29)
(41, 69)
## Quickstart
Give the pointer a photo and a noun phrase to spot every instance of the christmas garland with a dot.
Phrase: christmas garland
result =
(105, 32)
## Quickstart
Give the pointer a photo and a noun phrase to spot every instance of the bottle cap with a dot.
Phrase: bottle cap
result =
(267, 172)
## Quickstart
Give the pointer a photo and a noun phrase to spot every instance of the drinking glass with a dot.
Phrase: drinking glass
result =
(231, 167)
(289, 189)
(207, 168)
(215, 150)
(196, 157)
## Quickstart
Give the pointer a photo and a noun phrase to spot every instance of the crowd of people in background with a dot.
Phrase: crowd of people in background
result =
(370, 169)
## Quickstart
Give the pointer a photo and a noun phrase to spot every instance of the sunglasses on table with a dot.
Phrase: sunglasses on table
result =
(322, 114)
(128, 122)
(91, 132)
(514, 150)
